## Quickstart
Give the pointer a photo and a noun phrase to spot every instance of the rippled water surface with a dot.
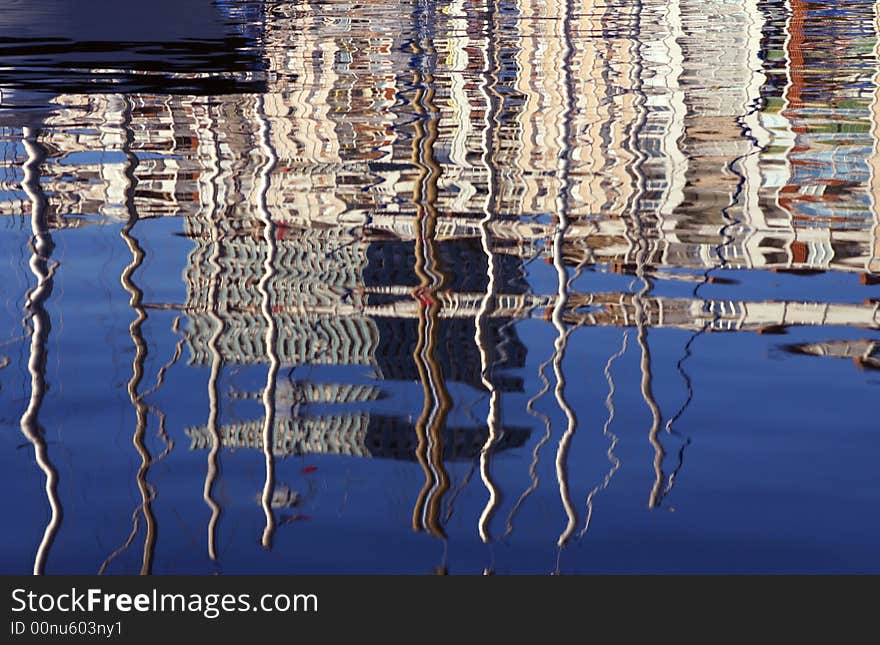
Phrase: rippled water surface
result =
(513, 286)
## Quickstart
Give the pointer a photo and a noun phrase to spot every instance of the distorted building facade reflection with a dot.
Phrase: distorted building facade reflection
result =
(381, 203)
(651, 133)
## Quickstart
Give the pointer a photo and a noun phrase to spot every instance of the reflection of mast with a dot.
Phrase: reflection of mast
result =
(136, 333)
(271, 338)
(536, 451)
(746, 168)
(41, 247)
(559, 390)
(429, 426)
(490, 121)
(642, 253)
(216, 358)
(606, 430)
(562, 208)
(647, 378)
(670, 423)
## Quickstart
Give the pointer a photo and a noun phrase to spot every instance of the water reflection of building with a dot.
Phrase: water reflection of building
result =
(682, 142)
(650, 122)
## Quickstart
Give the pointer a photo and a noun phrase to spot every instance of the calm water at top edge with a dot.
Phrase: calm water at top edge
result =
(514, 287)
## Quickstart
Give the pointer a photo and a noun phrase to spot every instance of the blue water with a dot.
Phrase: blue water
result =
(528, 287)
